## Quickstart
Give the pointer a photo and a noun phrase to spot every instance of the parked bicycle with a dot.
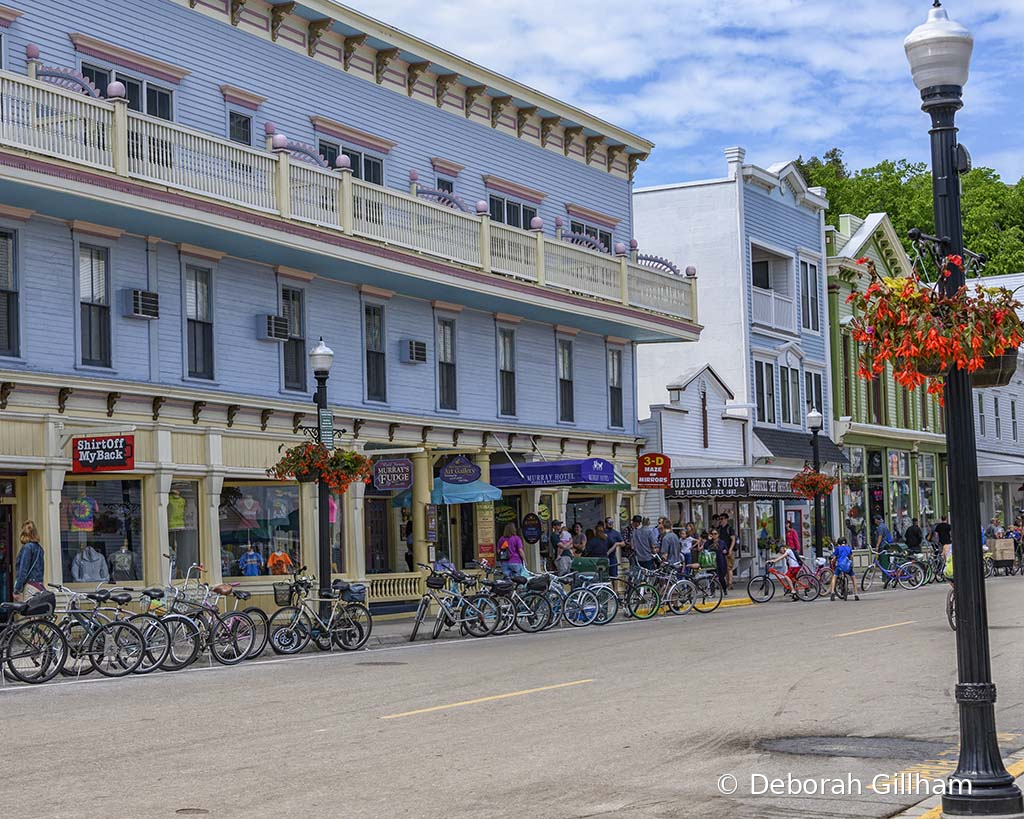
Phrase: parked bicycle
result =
(906, 573)
(33, 649)
(476, 614)
(97, 639)
(522, 602)
(299, 621)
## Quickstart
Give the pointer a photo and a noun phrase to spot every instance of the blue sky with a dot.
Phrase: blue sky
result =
(779, 77)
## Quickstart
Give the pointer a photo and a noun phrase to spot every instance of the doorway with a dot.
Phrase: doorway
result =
(377, 551)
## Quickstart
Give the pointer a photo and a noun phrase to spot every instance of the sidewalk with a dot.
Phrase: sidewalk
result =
(931, 808)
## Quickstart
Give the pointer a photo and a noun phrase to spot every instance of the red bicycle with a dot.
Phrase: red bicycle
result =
(761, 588)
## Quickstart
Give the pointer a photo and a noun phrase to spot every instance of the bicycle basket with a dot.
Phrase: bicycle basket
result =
(283, 594)
(539, 583)
(435, 581)
(355, 593)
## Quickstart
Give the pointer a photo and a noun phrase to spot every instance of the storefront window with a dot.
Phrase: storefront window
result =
(765, 513)
(899, 490)
(926, 489)
(101, 531)
(336, 515)
(853, 498)
(998, 503)
(183, 527)
(259, 527)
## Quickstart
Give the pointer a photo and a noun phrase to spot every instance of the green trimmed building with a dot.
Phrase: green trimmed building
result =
(893, 437)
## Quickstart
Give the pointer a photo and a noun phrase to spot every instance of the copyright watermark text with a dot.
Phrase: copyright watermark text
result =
(899, 784)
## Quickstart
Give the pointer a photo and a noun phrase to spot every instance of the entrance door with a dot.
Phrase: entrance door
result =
(377, 553)
(6, 553)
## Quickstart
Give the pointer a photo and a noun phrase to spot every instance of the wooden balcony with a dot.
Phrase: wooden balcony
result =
(42, 118)
(773, 310)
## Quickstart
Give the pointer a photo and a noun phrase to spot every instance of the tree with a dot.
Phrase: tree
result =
(993, 211)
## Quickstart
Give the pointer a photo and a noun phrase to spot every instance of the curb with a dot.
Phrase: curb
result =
(931, 808)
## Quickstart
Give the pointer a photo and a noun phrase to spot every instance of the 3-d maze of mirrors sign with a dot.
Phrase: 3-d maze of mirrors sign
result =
(107, 453)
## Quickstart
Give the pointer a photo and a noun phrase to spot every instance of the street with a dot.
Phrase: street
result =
(630, 720)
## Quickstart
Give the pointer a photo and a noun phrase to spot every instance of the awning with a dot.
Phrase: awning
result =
(783, 443)
(554, 473)
(444, 492)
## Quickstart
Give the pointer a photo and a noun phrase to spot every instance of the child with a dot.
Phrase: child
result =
(792, 564)
(842, 563)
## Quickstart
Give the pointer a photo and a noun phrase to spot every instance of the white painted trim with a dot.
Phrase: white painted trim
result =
(806, 251)
(186, 260)
(771, 248)
(110, 246)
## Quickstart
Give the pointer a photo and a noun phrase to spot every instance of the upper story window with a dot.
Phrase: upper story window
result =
(445, 185)
(813, 393)
(199, 321)
(999, 422)
(365, 167)
(506, 371)
(773, 283)
(294, 348)
(240, 127)
(789, 382)
(847, 363)
(764, 385)
(809, 295)
(566, 411)
(8, 296)
(924, 410)
(615, 387)
(981, 414)
(771, 272)
(447, 398)
(94, 296)
(876, 400)
(1013, 420)
(142, 95)
(376, 358)
(510, 212)
(600, 234)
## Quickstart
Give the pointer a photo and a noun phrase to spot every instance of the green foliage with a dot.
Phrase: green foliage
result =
(993, 210)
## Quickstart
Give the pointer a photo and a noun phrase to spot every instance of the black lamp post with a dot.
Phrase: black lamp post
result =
(939, 52)
(815, 421)
(321, 358)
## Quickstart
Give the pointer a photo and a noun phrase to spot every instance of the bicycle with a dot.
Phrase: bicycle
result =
(761, 587)
(907, 574)
(951, 607)
(476, 614)
(528, 611)
(676, 591)
(579, 606)
(114, 648)
(229, 637)
(292, 627)
(154, 631)
(33, 649)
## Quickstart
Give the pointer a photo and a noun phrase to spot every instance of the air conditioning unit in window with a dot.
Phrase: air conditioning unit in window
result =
(413, 351)
(141, 304)
(272, 328)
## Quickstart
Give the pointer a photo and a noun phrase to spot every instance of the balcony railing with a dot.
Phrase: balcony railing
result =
(774, 311)
(45, 119)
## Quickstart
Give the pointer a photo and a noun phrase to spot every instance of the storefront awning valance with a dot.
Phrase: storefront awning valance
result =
(797, 445)
(554, 473)
(444, 492)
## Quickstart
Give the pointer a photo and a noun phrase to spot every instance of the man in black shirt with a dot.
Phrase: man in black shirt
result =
(913, 536)
(944, 531)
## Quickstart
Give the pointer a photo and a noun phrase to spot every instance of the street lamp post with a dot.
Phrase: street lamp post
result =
(321, 358)
(815, 422)
(939, 53)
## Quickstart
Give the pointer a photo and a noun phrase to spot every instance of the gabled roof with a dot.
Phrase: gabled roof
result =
(873, 225)
(682, 381)
(788, 173)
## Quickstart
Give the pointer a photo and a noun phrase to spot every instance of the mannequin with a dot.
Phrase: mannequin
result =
(122, 564)
(175, 510)
(251, 562)
(82, 512)
(279, 561)
(89, 566)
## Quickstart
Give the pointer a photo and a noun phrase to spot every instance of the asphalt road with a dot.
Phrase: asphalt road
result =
(631, 720)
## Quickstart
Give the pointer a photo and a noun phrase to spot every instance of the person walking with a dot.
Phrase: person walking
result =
(883, 537)
(615, 543)
(914, 537)
(944, 532)
(511, 557)
(645, 540)
(28, 569)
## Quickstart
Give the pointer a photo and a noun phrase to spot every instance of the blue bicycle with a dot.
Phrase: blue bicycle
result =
(909, 573)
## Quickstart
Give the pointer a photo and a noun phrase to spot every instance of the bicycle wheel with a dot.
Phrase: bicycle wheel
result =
(77, 636)
(158, 641)
(261, 624)
(443, 620)
(643, 601)
(353, 630)
(760, 588)
(232, 638)
(824, 578)
(842, 585)
(35, 650)
(507, 615)
(709, 594)
(184, 642)
(557, 605)
(480, 615)
(990, 566)
(910, 575)
(951, 609)
(580, 608)
(421, 612)
(534, 613)
(681, 597)
(290, 630)
(870, 577)
(116, 649)
(807, 587)
(607, 605)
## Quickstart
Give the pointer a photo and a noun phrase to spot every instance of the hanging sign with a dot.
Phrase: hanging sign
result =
(460, 470)
(531, 528)
(432, 522)
(392, 473)
(327, 428)
(103, 453)
(653, 471)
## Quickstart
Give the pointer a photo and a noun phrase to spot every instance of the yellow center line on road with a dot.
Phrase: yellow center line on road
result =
(876, 628)
(486, 699)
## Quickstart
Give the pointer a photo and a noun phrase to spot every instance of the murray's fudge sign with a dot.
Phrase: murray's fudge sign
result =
(103, 453)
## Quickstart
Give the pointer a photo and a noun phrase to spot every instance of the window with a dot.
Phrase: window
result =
(615, 387)
(445, 185)
(762, 272)
(981, 414)
(1013, 420)
(329, 151)
(142, 95)
(101, 531)
(239, 128)
(259, 523)
(199, 322)
(999, 423)
(8, 296)
(789, 381)
(295, 346)
(376, 358)
(813, 392)
(603, 236)
(847, 365)
(924, 409)
(565, 386)
(446, 384)
(809, 295)
(510, 212)
(876, 400)
(506, 371)
(764, 381)
(183, 527)
(365, 167)
(93, 282)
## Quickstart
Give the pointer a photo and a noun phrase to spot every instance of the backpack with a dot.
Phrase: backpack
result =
(503, 550)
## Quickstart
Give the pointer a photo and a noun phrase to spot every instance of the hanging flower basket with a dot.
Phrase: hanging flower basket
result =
(811, 484)
(311, 462)
(908, 324)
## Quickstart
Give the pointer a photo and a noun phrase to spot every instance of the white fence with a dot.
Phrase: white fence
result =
(583, 271)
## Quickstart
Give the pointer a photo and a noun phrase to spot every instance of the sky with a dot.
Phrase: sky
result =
(782, 78)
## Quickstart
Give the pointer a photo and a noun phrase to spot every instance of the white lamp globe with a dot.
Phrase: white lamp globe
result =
(939, 51)
(321, 357)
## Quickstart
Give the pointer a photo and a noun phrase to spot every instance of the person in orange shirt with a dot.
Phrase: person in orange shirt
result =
(279, 562)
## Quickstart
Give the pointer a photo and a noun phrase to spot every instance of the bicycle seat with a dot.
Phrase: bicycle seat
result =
(121, 598)
(99, 597)
(340, 585)
(241, 595)
(222, 588)
(153, 593)
(518, 579)
(13, 608)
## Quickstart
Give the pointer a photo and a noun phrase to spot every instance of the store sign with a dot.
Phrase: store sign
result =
(460, 470)
(531, 528)
(431, 523)
(103, 453)
(653, 471)
(392, 474)
(728, 486)
(327, 428)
